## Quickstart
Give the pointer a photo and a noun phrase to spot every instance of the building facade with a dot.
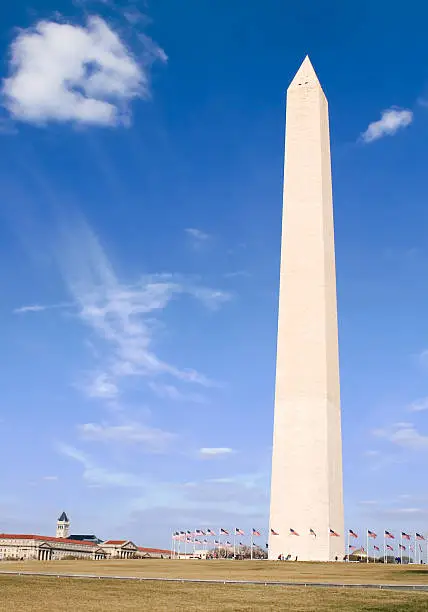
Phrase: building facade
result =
(120, 549)
(22, 547)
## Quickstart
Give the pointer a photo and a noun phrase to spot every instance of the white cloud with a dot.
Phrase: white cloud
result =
(171, 392)
(197, 234)
(419, 405)
(214, 452)
(64, 72)
(122, 315)
(404, 435)
(372, 453)
(50, 478)
(390, 122)
(101, 386)
(152, 439)
(99, 476)
(198, 239)
(40, 307)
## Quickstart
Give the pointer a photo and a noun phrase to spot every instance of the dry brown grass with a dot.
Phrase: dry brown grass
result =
(238, 570)
(37, 594)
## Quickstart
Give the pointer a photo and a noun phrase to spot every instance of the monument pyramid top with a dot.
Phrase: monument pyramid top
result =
(305, 76)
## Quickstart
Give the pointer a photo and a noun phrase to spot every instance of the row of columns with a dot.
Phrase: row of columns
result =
(125, 554)
(45, 554)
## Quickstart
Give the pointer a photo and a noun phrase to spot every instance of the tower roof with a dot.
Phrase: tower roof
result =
(64, 518)
(305, 76)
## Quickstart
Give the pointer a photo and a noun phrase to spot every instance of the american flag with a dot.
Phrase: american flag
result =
(371, 534)
(334, 534)
(239, 531)
(376, 547)
(273, 532)
(389, 535)
(216, 542)
(352, 547)
(419, 536)
(293, 532)
(312, 532)
(224, 531)
(353, 534)
(389, 547)
(405, 535)
(210, 532)
(200, 532)
(228, 544)
(255, 532)
(401, 547)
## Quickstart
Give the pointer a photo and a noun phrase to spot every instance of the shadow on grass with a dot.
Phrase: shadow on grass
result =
(422, 572)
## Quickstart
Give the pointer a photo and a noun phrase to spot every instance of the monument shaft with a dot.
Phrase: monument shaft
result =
(306, 487)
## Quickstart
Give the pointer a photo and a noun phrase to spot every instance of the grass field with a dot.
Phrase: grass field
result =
(37, 594)
(236, 570)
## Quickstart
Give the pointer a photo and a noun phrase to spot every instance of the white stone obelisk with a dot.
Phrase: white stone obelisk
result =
(306, 487)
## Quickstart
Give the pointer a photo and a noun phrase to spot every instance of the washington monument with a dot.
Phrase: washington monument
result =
(306, 511)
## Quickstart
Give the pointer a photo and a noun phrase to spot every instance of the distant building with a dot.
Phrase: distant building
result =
(47, 548)
(86, 538)
(62, 526)
(120, 549)
(153, 553)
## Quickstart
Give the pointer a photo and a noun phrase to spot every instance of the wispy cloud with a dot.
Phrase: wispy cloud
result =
(41, 307)
(95, 475)
(197, 237)
(392, 120)
(215, 452)
(236, 274)
(121, 315)
(101, 386)
(50, 478)
(404, 435)
(171, 392)
(149, 438)
(86, 74)
(419, 405)
(197, 234)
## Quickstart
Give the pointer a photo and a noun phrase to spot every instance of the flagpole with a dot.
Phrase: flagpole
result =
(252, 536)
(218, 545)
(234, 542)
(349, 550)
(385, 560)
(367, 540)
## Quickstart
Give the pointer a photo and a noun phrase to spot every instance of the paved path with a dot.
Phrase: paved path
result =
(389, 587)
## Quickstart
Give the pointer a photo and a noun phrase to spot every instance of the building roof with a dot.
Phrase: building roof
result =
(88, 538)
(64, 518)
(116, 542)
(40, 538)
(154, 550)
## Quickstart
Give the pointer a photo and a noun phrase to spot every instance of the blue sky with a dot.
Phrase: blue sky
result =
(141, 181)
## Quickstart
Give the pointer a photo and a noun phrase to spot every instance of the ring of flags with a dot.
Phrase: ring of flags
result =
(195, 537)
